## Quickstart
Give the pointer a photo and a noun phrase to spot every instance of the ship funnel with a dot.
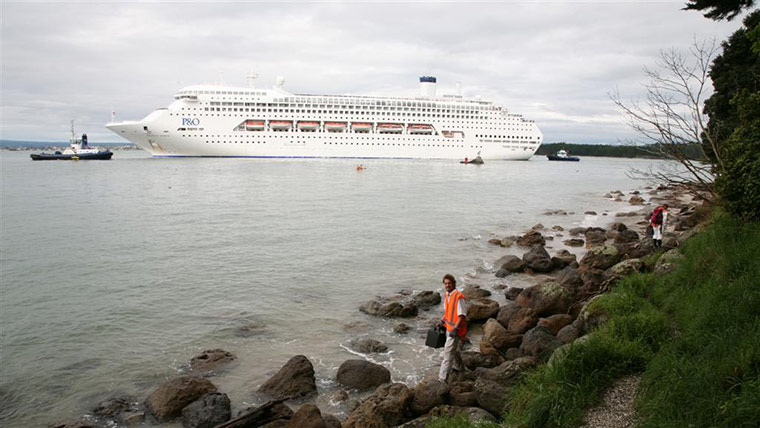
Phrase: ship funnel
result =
(459, 89)
(280, 82)
(427, 86)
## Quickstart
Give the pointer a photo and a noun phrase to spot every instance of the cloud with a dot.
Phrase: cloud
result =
(553, 62)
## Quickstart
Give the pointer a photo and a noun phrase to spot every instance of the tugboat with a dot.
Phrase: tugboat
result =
(563, 156)
(78, 150)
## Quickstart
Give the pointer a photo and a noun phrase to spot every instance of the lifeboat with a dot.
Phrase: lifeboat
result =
(361, 126)
(390, 128)
(280, 125)
(254, 125)
(335, 126)
(420, 128)
(308, 125)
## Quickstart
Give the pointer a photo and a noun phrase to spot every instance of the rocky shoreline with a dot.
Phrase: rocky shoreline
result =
(531, 327)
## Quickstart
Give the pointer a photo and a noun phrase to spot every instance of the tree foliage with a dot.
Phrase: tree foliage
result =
(719, 9)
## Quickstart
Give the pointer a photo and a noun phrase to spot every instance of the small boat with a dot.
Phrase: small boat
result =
(420, 128)
(254, 125)
(335, 126)
(390, 128)
(563, 156)
(280, 125)
(308, 125)
(477, 161)
(361, 127)
(360, 167)
(78, 150)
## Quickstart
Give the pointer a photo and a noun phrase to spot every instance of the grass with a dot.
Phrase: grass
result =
(693, 334)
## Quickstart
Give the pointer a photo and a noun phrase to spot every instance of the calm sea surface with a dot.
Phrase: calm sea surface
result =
(115, 274)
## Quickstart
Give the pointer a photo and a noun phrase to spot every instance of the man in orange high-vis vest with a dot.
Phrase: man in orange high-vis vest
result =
(455, 321)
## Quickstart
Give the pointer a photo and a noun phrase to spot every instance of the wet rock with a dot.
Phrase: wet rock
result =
(539, 342)
(491, 396)
(538, 226)
(626, 236)
(250, 329)
(462, 394)
(331, 421)
(618, 227)
(494, 241)
(591, 212)
(538, 259)
(555, 212)
(575, 231)
(512, 293)
(562, 259)
(600, 257)
(294, 379)
(307, 416)
(401, 328)
(595, 236)
(506, 242)
(507, 373)
(568, 333)
(570, 279)
(636, 200)
(498, 336)
(427, 299)
(475, 292)
(207, 412)
(167, 401)
(558, 228)
(362, 375)
(390, 309)
(574, 242)
(385, 408)
(211, 360)
(427, 395)
(531, 238)
(473, 360)
(481, 309)
(510, 263)
(366, 345)
(546, 298)
(593, 281)
(517, 319)
(555, 322)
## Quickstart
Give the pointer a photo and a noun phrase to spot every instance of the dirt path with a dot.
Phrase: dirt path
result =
(616, 409)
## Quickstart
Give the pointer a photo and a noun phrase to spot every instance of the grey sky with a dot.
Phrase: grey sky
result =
(553, 62)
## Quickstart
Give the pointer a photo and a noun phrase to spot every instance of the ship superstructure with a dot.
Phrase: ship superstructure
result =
(210, 120)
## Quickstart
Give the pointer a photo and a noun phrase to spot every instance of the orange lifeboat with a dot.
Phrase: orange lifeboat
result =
(308, 125)
(420, 128)
(361, 126)
(280, 125)
(335, 126)
(390, 128)
(254, 125)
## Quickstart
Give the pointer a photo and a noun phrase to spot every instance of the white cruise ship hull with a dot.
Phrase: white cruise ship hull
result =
(208, 121)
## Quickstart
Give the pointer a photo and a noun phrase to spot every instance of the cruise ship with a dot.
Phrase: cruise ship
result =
(222, 121)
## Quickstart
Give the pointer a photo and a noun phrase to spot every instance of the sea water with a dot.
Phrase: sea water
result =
(114, 274)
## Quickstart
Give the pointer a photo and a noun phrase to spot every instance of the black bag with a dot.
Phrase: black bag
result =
(650, 231)
(436, 337)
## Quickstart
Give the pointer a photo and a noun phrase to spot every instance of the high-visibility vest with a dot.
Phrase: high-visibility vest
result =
(450, 316)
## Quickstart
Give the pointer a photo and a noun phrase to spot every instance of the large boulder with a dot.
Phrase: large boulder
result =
(569, 278)
(556, 322)
(498, 336)
(385, 408)
(626, 237)
(211, 360)
(366, 345)
(491, 396)
(510, 263)
(462, 394)
(600, 257)
(390, 308)
(575, 231)
(167, 401)
(563, 258)
(473, 360)
(592, 315)
(539, 342)
(272, 414)
(507, 373)
(362, 375)
(517, 319)
(307, 416)
(594, 280)
(667, 262)
(538, 259)
(207, 412)
(427, 299)
(546, 298)
(568, 333)
(574, 242)
(595, 236)
(531, 238)
(481, 309)
(427, 395)
(625, 268)
(475, 292)
(294, 379)
(512, 293)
